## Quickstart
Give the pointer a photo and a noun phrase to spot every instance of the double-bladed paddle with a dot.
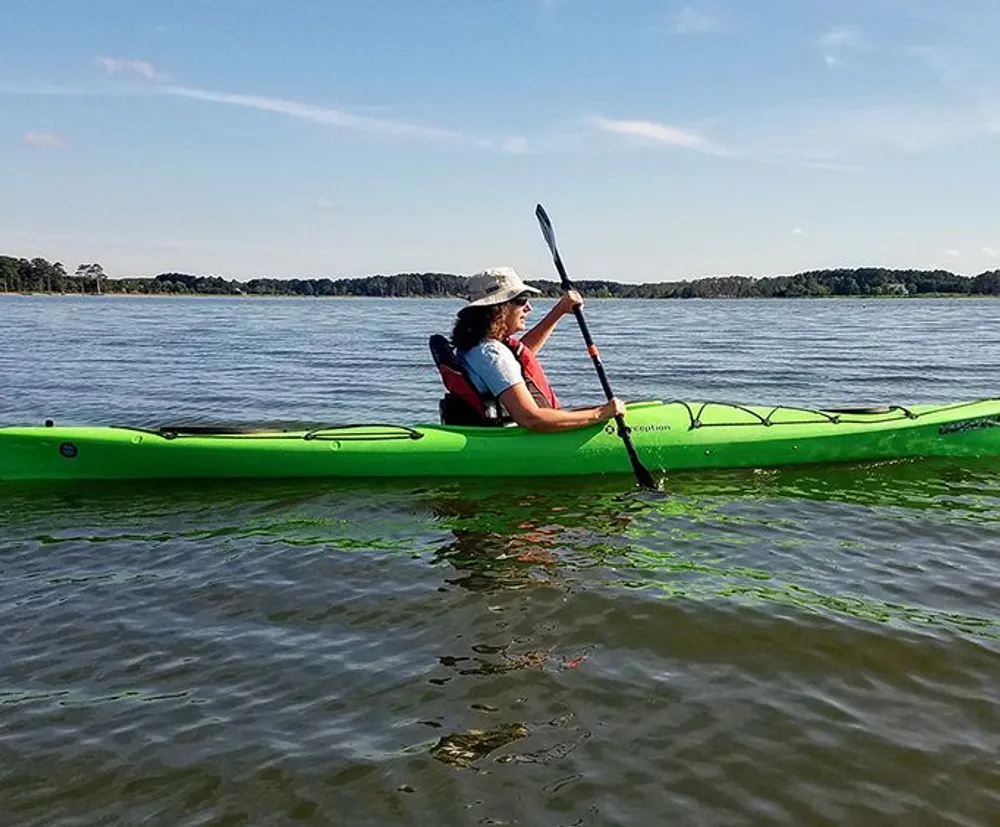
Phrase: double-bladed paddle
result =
(641, 473)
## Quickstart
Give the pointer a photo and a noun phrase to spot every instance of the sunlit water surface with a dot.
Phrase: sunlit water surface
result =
(818, 646)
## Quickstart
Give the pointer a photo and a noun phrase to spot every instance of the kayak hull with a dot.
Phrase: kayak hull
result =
(668, 437)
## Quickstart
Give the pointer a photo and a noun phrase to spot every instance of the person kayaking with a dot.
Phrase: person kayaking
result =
(506, 368)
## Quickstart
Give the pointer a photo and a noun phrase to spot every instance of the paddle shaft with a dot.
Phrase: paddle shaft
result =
(595, 354)
(641, 473)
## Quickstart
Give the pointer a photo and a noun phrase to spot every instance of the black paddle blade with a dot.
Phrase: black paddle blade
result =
(550, 239)
(642, 475)
(547, 232)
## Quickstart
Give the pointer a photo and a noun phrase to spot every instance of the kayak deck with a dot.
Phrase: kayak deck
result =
(668, 437)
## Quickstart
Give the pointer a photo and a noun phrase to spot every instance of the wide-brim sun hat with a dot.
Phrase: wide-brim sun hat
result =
(496, 286)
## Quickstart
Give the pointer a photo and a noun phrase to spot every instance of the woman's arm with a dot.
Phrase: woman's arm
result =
(525, 410)
(537, 336)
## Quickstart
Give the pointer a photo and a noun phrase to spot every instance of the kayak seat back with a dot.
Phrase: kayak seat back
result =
(462, 404)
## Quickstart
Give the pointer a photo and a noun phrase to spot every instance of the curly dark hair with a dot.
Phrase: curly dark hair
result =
(473, 324)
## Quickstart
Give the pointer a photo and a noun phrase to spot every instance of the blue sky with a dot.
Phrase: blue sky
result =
(300, 138)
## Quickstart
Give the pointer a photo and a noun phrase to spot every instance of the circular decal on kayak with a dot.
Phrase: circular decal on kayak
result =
(68, 450)
(642, 429)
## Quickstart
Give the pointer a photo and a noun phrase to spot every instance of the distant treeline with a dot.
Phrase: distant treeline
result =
(19, 275)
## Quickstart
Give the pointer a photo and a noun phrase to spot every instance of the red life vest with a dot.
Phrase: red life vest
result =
(463, 404)
(534, 376)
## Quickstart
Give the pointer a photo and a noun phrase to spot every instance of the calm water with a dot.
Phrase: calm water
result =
(809, 647)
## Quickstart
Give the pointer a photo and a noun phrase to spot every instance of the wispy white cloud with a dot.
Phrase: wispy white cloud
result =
(690, 20)
(327, 204)
(836, 43)
(139, 69)
(312, 112)
(329, 116)
(991, 252)
(43, 140)
(797, 231)
(661, 134)
(953, 253)
(343, 119)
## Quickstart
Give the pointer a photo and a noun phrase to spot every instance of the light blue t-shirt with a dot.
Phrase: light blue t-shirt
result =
(491, 366)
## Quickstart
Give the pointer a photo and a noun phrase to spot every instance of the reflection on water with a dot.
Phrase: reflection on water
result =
(696, 538)
(503, 537)
(462, 748)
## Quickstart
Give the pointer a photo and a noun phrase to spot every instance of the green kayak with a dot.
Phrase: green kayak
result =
(669, 436)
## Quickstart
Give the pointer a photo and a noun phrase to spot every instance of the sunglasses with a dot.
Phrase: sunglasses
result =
(519, 301)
